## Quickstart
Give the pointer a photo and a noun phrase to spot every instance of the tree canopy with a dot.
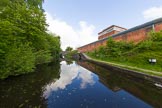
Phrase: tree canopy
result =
(69, 48)
(24, 40)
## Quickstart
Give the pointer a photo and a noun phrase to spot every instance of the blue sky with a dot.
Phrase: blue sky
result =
(81, 20)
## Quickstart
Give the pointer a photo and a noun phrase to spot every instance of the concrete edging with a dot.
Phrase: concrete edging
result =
(154, 79)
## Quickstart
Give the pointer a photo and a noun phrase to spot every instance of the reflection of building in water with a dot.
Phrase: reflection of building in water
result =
(117, 81)
(114, 88)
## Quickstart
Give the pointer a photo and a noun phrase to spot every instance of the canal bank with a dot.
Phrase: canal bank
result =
(153, 76)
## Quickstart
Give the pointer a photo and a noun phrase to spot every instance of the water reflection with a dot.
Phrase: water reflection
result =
(119, 82)
(25, 91)
(68, 74)
(78, 85)
(86, 78)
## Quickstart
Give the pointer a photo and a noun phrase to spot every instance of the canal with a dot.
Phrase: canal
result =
(78, 85)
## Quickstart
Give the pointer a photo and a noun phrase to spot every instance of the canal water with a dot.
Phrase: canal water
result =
(78, 85)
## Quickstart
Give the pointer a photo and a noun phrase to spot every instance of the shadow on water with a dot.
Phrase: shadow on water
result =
(117, 81)
(26, 90)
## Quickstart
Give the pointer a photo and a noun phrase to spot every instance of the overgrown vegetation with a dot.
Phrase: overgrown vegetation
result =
(131, 54)
(70, 52)
(69, 49)
(24, 41)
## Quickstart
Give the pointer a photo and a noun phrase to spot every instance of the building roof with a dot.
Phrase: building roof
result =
(159, 20)
(112, 27)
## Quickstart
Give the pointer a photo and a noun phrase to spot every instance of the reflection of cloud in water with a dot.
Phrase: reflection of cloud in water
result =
(67, 75)
(86, 78)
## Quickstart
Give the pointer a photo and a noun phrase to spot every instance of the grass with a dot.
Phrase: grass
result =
(134, 56)
(129, 66)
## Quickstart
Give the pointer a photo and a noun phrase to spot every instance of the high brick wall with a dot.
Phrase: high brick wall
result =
(158, 27)
(136, 36)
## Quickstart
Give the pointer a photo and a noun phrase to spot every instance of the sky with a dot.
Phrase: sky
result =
(78, 22)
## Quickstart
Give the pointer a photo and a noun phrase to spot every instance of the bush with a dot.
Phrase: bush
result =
(115, 49)
(42, 57)
(156, 36)
(132, 54)
(24, 41)
(19, 59)
(144, 45)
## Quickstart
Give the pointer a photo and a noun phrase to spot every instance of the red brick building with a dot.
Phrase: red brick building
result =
(110, 31)
(135, 34)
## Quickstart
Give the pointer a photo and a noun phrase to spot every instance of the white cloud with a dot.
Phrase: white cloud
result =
(153, 13)
(69, 35)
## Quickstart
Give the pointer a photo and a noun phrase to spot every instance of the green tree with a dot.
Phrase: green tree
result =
(24, 41)
(69, 49)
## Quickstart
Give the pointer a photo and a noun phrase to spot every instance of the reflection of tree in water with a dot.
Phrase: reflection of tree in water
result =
(26, 90)
(117, 81)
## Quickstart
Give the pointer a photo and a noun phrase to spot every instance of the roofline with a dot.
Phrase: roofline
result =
(111, 27)
(129, 30)
(139, 26)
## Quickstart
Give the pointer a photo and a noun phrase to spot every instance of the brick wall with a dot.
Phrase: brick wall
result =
(134, 36)
(158, 27)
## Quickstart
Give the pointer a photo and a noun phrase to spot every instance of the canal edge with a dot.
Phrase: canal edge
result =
(138, 74)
